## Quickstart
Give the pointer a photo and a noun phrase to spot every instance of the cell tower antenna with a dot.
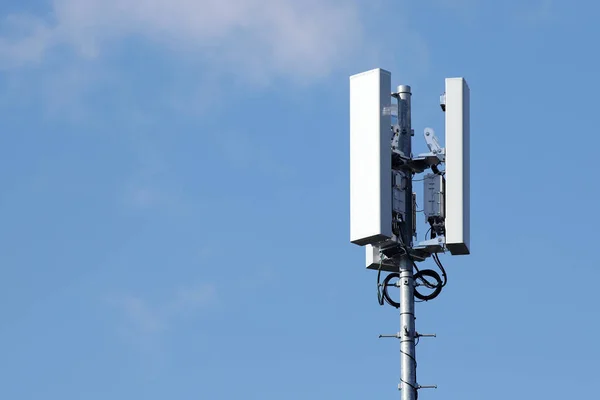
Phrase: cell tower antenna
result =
(383, 204)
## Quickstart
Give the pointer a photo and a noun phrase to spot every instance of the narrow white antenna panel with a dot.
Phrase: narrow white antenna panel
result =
(370, 157)
(457, 222)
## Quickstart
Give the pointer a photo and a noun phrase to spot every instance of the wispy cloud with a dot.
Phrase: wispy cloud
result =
(285, 37)
(27, 40)
(140, 316)
(84, 48)
(191, 299)
(145, 321)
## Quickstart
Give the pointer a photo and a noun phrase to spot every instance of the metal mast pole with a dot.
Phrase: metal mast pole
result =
(407, 334)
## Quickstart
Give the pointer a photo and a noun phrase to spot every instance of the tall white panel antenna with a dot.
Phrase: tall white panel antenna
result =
(457, 166)
(370, 157)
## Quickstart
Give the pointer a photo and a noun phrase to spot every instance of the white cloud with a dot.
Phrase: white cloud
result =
(144, 320)
(190, 299)
(297, 38)
(72, 62)
(140, 316)
(27, 43)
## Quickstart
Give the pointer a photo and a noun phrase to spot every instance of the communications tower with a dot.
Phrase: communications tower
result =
(383, 211)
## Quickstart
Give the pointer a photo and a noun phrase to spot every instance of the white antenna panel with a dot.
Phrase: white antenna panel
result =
(370, 157)
(457, 166)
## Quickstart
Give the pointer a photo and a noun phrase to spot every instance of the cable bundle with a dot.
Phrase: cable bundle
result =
(420, 277)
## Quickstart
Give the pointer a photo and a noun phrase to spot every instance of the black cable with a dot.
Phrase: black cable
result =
(436, 290)
(414, 388)
(437, 261)
(419, 276)
(386, 283)
(379, 285)
(436, 258)
(427, 283)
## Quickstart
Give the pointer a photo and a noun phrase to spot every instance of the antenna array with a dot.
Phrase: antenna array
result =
(383, 205)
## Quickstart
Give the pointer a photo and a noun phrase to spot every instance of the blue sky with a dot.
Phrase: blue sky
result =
(174, 199)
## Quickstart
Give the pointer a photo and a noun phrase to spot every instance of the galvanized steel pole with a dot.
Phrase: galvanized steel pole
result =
(407, 334)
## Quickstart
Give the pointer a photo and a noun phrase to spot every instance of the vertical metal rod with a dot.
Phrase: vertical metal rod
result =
(408, 363)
